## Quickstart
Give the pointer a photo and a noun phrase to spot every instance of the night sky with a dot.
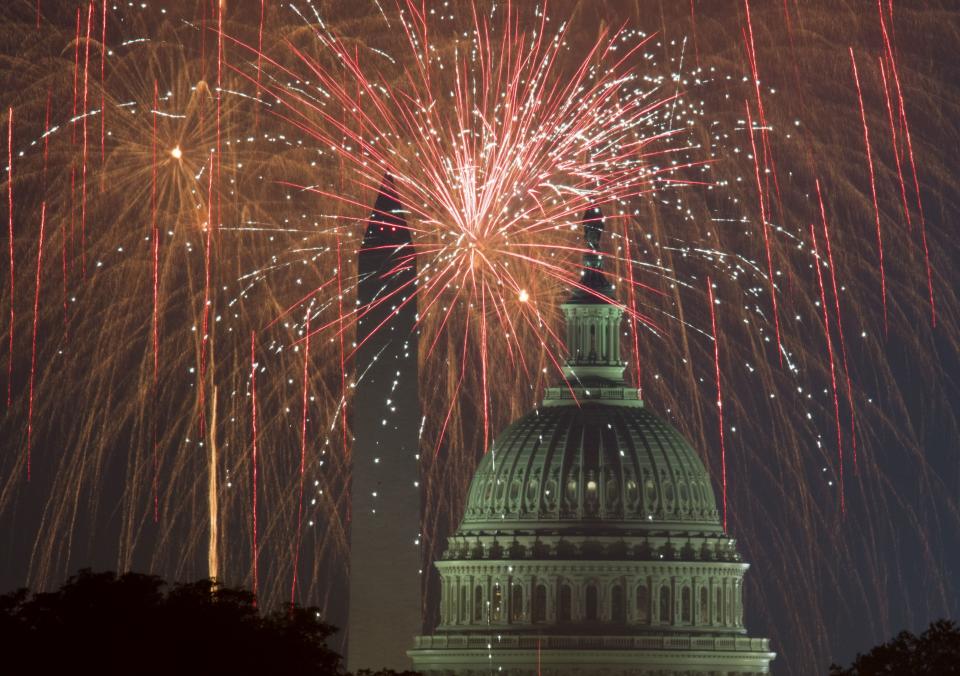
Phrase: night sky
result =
(188, 184)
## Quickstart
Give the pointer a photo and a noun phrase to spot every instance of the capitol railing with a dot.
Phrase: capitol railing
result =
(664, 642)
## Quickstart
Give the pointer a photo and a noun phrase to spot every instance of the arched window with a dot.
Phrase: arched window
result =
(591, 603)
(666, 616)
(704, 616)
(686, 605)
(496, 609)
(540, 603)
(463, 603)
(564, 611)
(478, 604)
(729, 606)
(718, 607)
(516, 603)
(643, 604)
(618, 610)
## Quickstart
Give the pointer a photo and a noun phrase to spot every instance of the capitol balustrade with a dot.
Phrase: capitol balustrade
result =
(580, 392)
(665, 642)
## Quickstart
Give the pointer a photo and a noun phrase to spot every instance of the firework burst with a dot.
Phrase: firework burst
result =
(201, 171)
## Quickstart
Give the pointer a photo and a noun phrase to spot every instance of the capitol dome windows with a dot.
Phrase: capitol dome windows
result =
(618, 610)
(686, 604)
(526, 595)
(540, 603)
(643, 604)
(550, 495)
(533, 488)
(611, 493)
(666, 615)
(496, 605)
(516, 603)
(478, 604)
(650, 489)
(590, 609)
(564, 604)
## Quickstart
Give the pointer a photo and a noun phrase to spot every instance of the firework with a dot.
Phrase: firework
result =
(240, 151)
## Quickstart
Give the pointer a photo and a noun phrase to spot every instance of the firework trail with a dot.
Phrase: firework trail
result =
(906, 132)
(873, 188)
(33, 351)
(843, 342)
(833, 375)
(716, 361)
(500, 126)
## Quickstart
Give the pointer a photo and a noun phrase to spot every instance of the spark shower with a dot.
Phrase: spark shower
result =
(187, 186)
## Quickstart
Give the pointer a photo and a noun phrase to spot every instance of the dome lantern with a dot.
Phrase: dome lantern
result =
(593, 370)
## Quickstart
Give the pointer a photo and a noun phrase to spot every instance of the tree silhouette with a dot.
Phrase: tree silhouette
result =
(101, 623)
(936, 652)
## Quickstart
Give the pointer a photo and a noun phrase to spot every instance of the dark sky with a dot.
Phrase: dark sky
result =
(110, 445)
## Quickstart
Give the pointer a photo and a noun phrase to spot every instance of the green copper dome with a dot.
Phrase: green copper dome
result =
(593, 466)
(591, 541)
(592, 459)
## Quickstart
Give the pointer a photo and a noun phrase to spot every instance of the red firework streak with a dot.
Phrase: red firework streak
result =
(893, 141)
(219, 96)
(843, 342)
(83, 175)
(716, 365)
(76, 77)
(10, 234)
(103, 94)
(303, 456)
(253, 405)
(33, 352)
(913, 164)
(873, 188)
(765, 137)
(256, 119)
(833, 373)
(766, 234)
(155, 245)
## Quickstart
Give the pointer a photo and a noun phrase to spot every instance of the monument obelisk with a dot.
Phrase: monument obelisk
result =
(385, 565)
